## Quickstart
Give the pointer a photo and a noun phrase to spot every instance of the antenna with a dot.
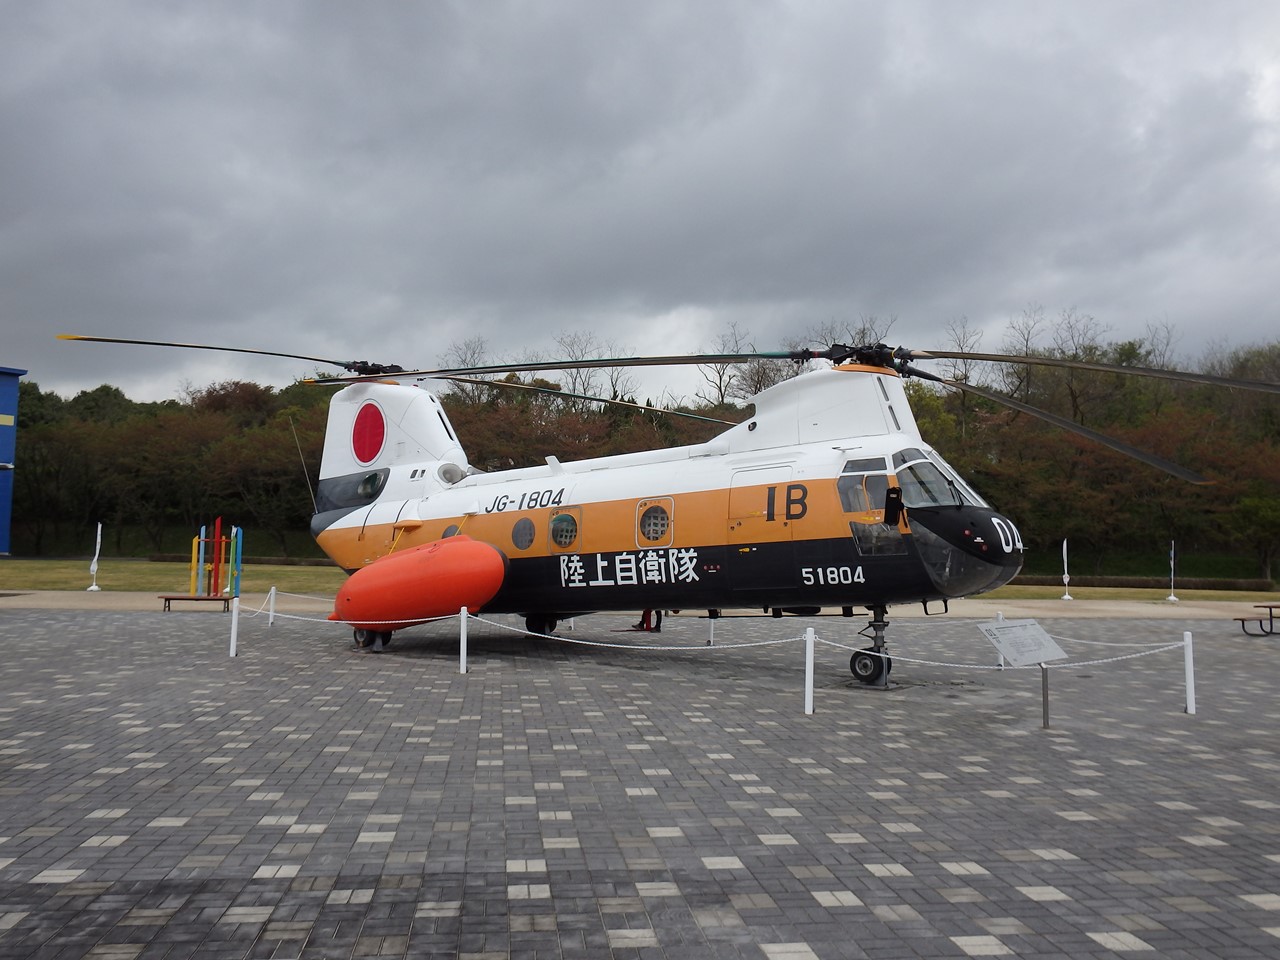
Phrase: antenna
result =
(297, 443)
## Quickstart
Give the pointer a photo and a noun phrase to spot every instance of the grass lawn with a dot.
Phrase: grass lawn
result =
(1120, 593)
(146, 576)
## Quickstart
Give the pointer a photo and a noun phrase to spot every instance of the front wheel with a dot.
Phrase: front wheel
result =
(868, 667)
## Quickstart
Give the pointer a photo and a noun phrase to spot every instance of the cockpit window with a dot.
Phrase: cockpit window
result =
(923, 485)
(967, 493)
(929, 481)
(865, 465)
(863, 493)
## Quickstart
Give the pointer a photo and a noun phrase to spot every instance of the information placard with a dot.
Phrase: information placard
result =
(1022, 642)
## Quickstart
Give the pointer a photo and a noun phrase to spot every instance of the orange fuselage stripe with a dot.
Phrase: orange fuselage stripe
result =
(697, 519)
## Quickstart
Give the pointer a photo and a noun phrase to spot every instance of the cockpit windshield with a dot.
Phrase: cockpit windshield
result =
(928, 481)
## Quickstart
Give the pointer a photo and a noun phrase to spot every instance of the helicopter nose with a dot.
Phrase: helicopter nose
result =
(966, 549)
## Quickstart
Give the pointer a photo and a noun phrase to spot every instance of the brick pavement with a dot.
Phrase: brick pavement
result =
(305, 800)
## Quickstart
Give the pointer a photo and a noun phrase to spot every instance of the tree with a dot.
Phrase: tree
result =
(721, 377)
(104, 404)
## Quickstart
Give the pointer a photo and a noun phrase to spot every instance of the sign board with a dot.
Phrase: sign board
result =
(1021, 642)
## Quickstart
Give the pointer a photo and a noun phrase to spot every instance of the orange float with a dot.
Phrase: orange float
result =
(419, 584)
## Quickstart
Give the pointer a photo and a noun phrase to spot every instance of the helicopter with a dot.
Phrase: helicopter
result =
(826, 496)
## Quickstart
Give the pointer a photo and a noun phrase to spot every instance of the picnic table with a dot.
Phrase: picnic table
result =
(1267, 626)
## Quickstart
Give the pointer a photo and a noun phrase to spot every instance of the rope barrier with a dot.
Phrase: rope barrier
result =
(987, 666)
(810, 638)
(631, 646)
(952, 665)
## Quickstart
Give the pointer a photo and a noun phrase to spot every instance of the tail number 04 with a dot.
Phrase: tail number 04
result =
(831, 576)
(1010, 538)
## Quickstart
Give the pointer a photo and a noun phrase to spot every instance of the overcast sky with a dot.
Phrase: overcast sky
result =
(384, 181)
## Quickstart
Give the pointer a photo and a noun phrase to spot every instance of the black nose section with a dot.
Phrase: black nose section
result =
(977, 531)
(965, 549)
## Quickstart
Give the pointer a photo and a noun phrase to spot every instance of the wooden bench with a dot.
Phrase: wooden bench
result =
(168, 598)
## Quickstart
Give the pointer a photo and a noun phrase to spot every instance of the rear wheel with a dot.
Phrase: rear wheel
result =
(370, 638)
(539, 623)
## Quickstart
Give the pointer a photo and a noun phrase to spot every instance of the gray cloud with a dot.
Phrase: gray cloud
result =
(383, 181)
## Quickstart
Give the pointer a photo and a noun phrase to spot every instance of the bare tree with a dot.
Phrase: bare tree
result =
(962, 338)
(1020, 339)
(472, 352)
(611, 383)
(867, 331)
(721, 377)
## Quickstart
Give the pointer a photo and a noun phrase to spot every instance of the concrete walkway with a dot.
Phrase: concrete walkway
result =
(608, 793)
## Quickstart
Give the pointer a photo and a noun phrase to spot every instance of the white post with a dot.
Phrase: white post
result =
(1171, 598)
(93, 564)
(1000, 656)
(271, 607)
(462, 640)
(1066, 577)
(808, 671)
(711, 637)
(1044, 693)
(1189, 664)
(235, 622)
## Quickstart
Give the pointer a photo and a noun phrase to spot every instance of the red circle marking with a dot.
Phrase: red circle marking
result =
(368, 433)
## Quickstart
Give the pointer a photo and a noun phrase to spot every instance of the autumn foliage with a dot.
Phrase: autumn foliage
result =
(154, 472)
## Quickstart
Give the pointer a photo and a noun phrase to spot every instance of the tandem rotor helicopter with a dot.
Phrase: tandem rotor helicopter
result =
(826, 497)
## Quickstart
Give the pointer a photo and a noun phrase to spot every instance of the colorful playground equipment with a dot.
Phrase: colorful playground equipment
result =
(217, 562)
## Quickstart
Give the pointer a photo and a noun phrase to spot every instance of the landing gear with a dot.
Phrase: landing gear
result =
(871, 665)
(540, 623)
(868, 667)
(378, 640)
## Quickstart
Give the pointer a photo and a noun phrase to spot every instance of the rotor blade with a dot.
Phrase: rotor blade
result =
(363, 367)
(1262, 385)
(798, 356)
(581, 396)
(1118, 445)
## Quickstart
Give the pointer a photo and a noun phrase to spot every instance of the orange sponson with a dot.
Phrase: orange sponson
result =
(433, 580)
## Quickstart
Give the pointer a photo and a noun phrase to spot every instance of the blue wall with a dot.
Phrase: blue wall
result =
(8, 440)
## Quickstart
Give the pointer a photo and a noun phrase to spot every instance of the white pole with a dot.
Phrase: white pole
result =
(271, 607)
(1000, 656)
(462, 640)
(1171, 597)
(1189, 663)
(808, 671)
(93, 566)
(1066, 577)
(235, 622)
(711, 637)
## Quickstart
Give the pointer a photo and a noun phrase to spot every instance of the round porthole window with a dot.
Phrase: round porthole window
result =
(370, 485)
(564, 529)
(450, 531)
(522, 534)
(654, 524)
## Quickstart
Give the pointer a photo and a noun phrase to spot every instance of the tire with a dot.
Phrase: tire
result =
(868, 667)
(539, 623)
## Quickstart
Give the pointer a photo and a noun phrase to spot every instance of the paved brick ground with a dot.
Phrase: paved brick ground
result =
(304, 800)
